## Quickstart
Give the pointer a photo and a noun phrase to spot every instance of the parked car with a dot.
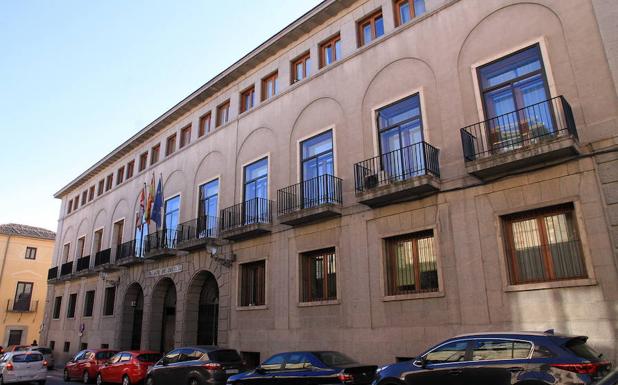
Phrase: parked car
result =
(127, 368)
(195, 365)
(22, 367)
(320, 367)
(17, 348)
(85, 364)
(610, 379)
(501, 359)
(47, 355)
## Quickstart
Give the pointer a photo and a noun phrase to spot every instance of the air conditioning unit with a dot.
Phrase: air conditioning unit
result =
(373, 180)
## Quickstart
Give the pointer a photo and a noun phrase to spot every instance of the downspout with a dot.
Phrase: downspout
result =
(6, 250)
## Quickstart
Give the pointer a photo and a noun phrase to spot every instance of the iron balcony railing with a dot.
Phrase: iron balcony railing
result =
(102, 257)
(252, 211)
(130, 249)
(323, 189)
(83, 263)
(66, 268)
(162, 239)
(199, 228)
(407, 162)
(526, 126)
(52, 273)
(22, 306)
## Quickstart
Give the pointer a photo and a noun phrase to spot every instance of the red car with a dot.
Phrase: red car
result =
(85, 365)
(127, 367)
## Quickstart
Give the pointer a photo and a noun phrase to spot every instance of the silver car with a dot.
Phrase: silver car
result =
(47, 355)
(22, 367)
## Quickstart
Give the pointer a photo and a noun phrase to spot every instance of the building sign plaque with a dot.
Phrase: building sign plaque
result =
(164, 271)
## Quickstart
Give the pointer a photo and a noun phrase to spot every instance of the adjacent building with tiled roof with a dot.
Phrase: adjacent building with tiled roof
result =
(27, 231)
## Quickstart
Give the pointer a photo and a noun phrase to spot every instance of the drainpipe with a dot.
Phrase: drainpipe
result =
(6, 250)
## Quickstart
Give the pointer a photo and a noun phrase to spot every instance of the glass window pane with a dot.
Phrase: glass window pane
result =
(379, 27)
(398, 112)
(404, 12)
(366, 33)
(256, 170)
(338, 50)
(451, 352)
(308, 67)
(328, 53)
(511, 67)
(318, 144)
(419, 7)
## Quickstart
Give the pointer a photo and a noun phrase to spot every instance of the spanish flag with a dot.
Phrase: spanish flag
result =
(151, 197)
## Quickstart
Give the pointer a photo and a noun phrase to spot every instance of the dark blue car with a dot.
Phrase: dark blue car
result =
(304, 368)
(501, 359)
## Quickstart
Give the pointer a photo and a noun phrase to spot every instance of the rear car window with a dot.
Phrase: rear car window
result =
(105, 355)
(333, 358)
(149, 357)
(488, 350)
(224, 356)
(579, 347)
(27, 358)
(20, 348)
(44, 350)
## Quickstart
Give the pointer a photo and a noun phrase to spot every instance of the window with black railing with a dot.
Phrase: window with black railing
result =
(321, 190)
(199, 228)
(66, 268)
(23, 296)
(83, 263)
(543, 245)
(162, 239)
(102, 257)
(250, 212)
(398, 165)
(52, 273)
(528, 126)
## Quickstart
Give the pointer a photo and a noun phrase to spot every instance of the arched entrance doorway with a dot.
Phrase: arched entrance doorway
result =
(163, 317)
(132, 315)
(202, 316)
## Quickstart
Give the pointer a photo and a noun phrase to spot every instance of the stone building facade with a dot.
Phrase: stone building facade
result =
(435, 167)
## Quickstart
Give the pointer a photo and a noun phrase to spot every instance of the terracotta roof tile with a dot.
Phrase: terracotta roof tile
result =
(26, 231)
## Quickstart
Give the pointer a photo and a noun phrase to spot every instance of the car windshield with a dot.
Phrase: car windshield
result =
(105, 355)
(224, 356)
(334, 359)
(149, 357)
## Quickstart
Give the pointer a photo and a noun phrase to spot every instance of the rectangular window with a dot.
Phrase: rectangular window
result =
(70, 206)
(79, 250)
(154, 154)
(83, 346)
(65, 252)
(204, 124)
(255, 192)
(110, 297)
(15, 337)
(84, 197)
(67, 346)
(253, 284)
(208, 207)
(170, 145)
(100, 187)
(316, 165)
(543, 245)
(109, 182)
(71, 305)
(57, 305)
(89, 303)
(330, 51)
(120, 176)
(370, 28)
(97, 241)
(247, 99)
(405, 10)
(514, 91)
(223, 113)
(130, 169)
(270, 86)
(91, 193)
(52, 345)
(301, 67)
(319, 278)
(400, 135)
(411, 264)
(171, 219)
(30, 252)
(75, 203)
(117, 231)
(185, 136)
(143, 160)
(23, 295)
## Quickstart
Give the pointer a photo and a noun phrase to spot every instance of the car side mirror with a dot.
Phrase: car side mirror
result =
(421, 362)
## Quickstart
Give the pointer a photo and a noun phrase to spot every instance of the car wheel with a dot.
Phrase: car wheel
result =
(126, 380)
(66, 376)
(86, 377)
(99, 379)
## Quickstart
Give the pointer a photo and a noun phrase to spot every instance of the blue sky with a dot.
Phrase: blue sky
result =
(79, 77)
